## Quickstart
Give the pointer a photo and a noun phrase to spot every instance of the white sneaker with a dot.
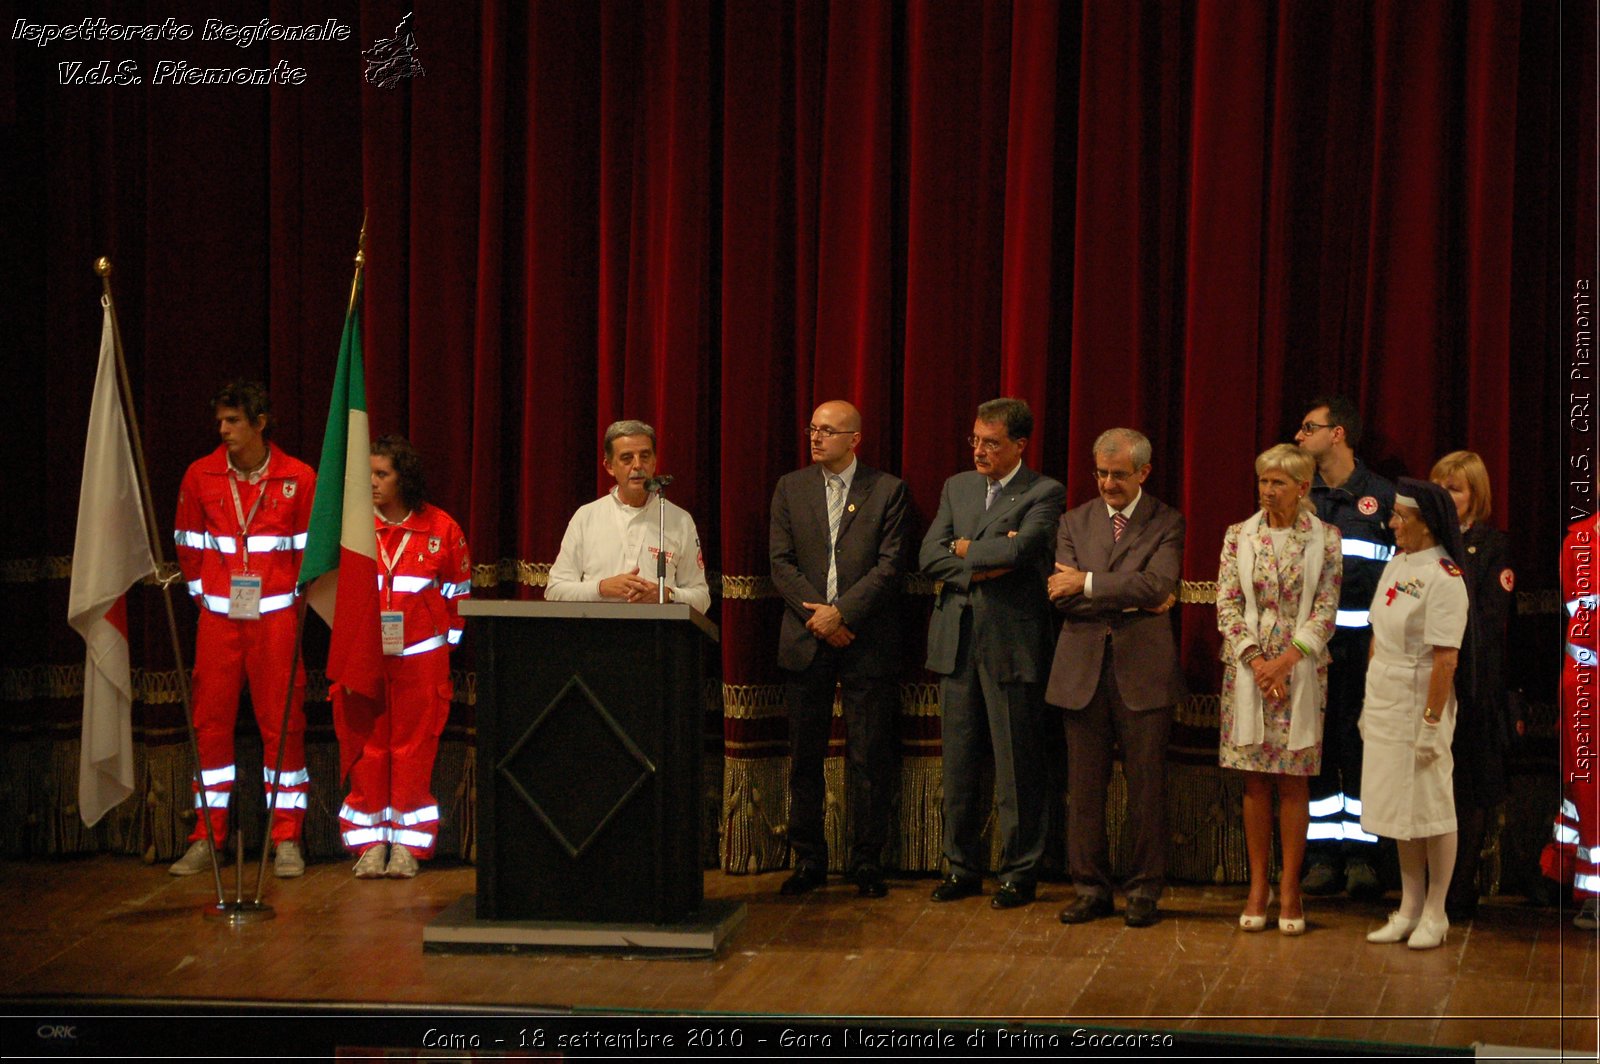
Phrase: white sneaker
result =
(196, 859)
(1398, 929)
(1588, 918)
(402, 863)
(287, 862)
(370, 864)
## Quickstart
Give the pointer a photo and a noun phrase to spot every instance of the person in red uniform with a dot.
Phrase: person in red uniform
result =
(387, 746)
(1574, 850)
(240, 529)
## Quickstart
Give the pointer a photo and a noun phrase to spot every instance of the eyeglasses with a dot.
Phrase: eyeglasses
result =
(988, 446)
(1309, 427)
(1116, 476)
(825, 432)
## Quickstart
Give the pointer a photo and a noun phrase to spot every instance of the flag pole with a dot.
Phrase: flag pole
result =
(299, 632)
(102, 267)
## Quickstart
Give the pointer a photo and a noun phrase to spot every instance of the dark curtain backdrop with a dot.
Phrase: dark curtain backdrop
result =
(1184, 217)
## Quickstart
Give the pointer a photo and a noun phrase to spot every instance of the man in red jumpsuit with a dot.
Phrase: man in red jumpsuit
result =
(241, 525)
(1574, 851)
(387, 745)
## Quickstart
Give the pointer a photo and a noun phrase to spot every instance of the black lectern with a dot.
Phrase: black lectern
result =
(589, 718)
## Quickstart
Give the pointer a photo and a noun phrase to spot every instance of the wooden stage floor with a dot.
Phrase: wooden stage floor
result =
(114, 927)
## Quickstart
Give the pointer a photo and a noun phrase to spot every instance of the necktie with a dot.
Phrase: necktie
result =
(994, 491)
(835, 512)
(1119, 525)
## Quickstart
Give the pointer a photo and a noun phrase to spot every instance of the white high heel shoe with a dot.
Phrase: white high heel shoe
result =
(1293, 925)
(1429, 933)
(1248, 922)
(1398, 928)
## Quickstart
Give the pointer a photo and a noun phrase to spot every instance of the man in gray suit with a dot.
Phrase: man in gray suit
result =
(989, 639)
(837, 546)
(1118, 561)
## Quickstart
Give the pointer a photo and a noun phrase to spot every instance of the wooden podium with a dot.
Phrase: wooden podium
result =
(589, 719)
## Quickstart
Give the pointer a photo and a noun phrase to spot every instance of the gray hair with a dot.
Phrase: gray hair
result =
(629, 427)
(1113, 441)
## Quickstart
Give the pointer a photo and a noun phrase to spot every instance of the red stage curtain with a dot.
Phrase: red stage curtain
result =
(1184, 217)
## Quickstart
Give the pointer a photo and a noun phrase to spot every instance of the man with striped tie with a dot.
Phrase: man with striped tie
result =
(1119, 558)
(837, 546)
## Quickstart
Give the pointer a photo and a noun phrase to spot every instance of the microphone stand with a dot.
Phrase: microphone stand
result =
(661, 545)
(659, 486)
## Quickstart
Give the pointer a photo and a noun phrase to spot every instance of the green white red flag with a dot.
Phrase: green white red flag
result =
(340, 563)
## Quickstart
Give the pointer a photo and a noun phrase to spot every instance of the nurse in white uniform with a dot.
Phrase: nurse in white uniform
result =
(1419, 618)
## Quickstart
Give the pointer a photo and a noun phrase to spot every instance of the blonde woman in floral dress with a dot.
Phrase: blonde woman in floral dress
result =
(1277, 595)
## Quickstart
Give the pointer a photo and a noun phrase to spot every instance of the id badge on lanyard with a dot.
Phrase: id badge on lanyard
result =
(392, 623)
(244, 597)
(393, 626)
(244, 588)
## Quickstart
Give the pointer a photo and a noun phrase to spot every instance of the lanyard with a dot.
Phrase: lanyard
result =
(244, 519)
(388, 567)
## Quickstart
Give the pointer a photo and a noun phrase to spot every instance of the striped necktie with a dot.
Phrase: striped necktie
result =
(1119, 525)
(835, 513)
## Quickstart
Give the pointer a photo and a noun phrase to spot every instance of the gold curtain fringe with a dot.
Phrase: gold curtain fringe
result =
(1200, 711)
(734, 587)
(33, 570)
(154, 687)
(737, 701)
(711, 772)
(919, 699)
(744, 588)
(921, 814)
(755, 815)
(41, 681)
(511, 571)
(752, 701)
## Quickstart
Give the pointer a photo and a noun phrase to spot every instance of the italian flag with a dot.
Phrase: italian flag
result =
(341, 540)
(111, 552)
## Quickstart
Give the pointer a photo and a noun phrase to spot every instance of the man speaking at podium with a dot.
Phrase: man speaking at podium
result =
(608, 553)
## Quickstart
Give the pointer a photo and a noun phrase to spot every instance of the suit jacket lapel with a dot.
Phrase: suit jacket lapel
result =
(1005, 501)
(855, 498)
(1136, 525)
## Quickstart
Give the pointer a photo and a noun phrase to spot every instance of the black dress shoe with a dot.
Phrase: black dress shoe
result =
(869, 883)
(1012, 895)
(1141, 912)
(954, 888)
(806, 878)
(1087, 907)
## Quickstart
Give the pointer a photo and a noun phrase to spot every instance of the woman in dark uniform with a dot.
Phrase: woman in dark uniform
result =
(1483, 727)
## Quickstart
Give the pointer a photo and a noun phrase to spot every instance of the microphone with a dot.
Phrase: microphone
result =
(657, 483)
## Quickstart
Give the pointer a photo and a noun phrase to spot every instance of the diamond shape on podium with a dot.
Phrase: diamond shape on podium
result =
(575, 728)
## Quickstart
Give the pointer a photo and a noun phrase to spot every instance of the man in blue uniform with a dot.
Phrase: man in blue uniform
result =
(1357, 502)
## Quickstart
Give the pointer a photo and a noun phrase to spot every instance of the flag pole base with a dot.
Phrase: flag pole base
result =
(240, 912)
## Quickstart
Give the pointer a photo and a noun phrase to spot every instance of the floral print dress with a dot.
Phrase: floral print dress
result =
(1278, 577)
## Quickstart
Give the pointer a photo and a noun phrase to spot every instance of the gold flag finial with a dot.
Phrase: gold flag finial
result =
(361, 262)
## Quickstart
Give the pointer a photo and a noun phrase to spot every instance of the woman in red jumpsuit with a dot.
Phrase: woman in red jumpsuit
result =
(387, 746)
